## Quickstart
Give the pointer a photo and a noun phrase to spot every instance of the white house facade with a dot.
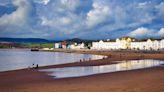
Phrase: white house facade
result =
(104, 45)
(162, 44)
(138, 45)
(129, 43)
(57, 45)
(77, 46)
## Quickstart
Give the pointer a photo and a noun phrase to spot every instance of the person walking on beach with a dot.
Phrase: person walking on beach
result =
(33, 65)
(37, 66)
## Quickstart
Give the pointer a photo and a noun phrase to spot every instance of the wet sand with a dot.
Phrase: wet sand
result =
(144, 80)
(111, 56)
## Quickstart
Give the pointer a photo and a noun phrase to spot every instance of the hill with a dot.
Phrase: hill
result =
(25, 40)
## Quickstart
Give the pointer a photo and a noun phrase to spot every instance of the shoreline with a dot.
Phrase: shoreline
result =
(112, 56)
(25, 80)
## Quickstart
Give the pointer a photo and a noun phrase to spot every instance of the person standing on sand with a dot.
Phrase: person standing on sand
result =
(37, 66)
(33, 65)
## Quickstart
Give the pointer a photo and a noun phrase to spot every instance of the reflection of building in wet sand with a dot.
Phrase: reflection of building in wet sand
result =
(98, 57)
(136, 64)
(90, 70)
(128, 65)
(107, 68)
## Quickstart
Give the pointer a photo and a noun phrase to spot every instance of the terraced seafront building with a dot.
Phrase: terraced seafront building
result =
(129, 43)
(117, 44)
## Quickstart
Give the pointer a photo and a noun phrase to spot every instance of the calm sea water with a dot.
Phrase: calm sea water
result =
(90, 70)
(13, 59)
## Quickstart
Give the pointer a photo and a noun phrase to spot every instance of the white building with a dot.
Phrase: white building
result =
(129, 43)
(162, 44)
(57, 45)
(123, 43)
(104, 45)
(77, 46)
(156, 45)
(138, 45)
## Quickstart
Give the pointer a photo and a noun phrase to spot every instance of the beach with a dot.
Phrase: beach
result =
(141, 80)
(81, 45)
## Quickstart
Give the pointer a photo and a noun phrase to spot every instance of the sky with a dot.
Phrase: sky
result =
(85, 19)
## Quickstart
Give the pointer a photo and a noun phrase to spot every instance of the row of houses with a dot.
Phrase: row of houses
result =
(130, 43)
(72, 45)
(118, 44)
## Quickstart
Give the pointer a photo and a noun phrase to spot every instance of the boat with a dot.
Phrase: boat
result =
(34, 49)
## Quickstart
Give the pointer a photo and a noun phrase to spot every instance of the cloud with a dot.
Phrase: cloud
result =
(81, 18)
(4, 2)
(18, 17)
(70, 4)
(97, 15)
(160, 10)
(63, 19)
(120, 16)
(144, 4)
(46, 22)
(145, 32)
(44, 2)
(59, 21)
(140, 32)
(161, 32)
